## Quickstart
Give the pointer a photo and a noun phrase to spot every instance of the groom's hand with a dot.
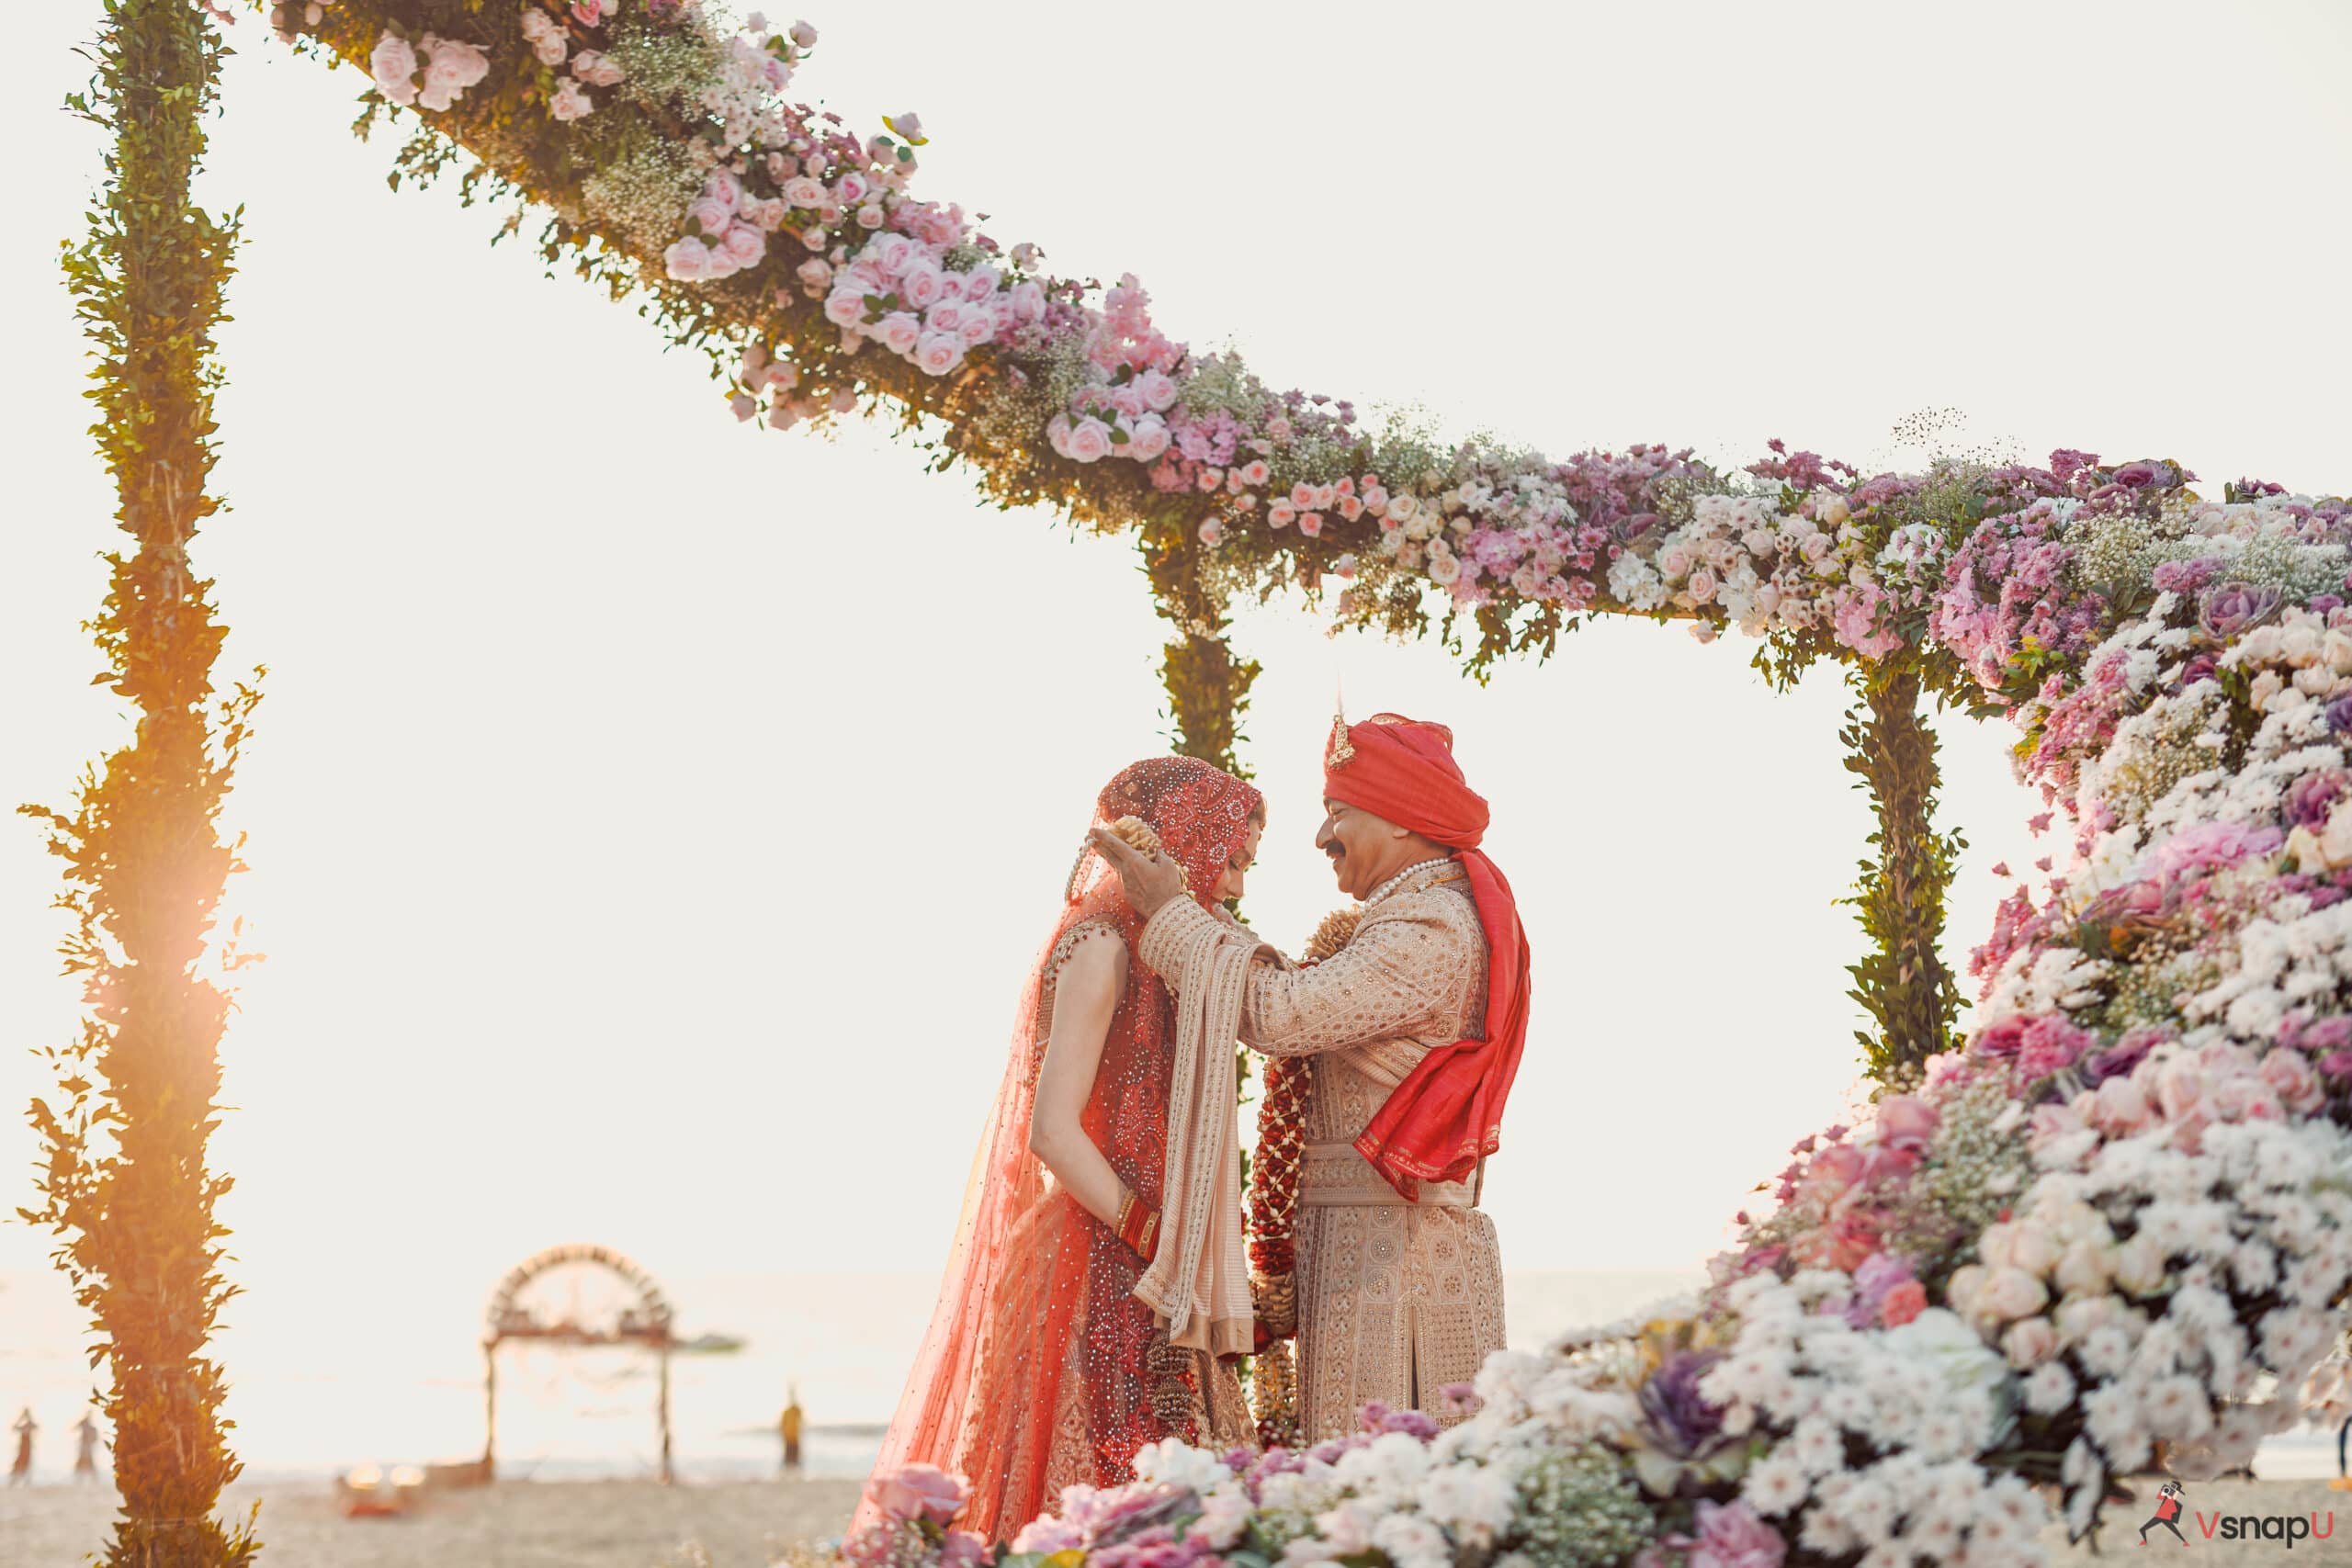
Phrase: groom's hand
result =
(1148, 881)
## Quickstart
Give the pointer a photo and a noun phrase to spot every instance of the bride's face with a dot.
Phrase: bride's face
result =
(1230, 881)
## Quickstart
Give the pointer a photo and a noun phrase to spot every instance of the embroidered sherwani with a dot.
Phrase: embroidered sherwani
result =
(1396, 1300)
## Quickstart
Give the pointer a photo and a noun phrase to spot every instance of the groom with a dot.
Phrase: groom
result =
(1413, 1030)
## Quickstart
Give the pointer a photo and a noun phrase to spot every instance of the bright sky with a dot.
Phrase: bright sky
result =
(650, 816)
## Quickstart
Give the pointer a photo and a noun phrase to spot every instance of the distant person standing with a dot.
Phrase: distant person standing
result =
(86, 1450)
(21, 1472)
(788, 1424)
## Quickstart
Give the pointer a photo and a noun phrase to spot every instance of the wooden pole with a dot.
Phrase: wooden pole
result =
(490, 1410)
(664, 1409)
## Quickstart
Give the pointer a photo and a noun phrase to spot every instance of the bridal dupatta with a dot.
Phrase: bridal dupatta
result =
(1053, 1354)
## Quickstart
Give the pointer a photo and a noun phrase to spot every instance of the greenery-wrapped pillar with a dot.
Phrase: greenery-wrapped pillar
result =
(1902, 982)
(125, 1182)
(1208, 689)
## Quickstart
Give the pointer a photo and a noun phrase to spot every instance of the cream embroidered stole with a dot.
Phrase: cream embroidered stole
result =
(1198, 1284)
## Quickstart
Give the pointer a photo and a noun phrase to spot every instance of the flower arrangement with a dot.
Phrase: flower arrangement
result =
(2112, 1217)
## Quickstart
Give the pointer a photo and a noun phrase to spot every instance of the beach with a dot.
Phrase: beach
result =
(519, 1524)
(639, 1524)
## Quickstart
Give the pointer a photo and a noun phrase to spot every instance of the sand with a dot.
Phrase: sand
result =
(558, 1524)
(635, 1524)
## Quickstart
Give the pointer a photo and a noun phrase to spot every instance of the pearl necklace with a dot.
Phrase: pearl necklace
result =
(1385, 888)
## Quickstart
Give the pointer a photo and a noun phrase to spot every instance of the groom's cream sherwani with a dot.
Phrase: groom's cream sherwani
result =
(1396, 1300)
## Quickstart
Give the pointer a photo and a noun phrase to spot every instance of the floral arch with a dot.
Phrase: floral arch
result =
(2108, 1227)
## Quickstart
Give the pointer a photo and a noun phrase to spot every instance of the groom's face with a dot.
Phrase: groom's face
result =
(1361, 847)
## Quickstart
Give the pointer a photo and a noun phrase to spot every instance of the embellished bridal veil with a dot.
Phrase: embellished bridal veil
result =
(1054, 1354)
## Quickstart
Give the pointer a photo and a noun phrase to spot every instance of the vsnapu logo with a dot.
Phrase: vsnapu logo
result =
(2286, 1527)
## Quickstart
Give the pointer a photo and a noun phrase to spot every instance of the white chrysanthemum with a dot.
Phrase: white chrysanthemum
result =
(1467, 1497)
(1412, 1541)
(2049, 1389)
(1171, 1461)
(1774, 1484)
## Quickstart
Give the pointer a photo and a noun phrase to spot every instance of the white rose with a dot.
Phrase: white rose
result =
(2030, 1341)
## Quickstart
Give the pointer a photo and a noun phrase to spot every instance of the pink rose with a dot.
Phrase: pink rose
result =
(1310, 523)
(724, 189)
(850, 189)
(894, 251)
(1149, 440)
(2119, 1108)
(1254, 472)
(591, 12)
(844, 307)
(745, 244)
(869, 217)
(919, 1491)
(947, 316)
(393, 65)
(570, 102)
(1906, 1122)
(921, 285)
(1212, 530)
(450, 68)
(2289, 1073)
(712, 214)
(595, 68)
(2180, 1087)
(1280, 515)
(688, 261)
(900, 330)
(1090, 440)
(1702, 585)
(1157, 389)
(978, 327)
(550, 47)
(802, 191)
(2244, 1100)
(938, 353)
(1210, 479)
(814, 274)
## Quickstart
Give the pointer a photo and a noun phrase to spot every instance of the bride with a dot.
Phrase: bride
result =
(1096, 1296)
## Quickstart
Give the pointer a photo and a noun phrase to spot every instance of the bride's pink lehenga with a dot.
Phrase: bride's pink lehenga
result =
(1042, 1369)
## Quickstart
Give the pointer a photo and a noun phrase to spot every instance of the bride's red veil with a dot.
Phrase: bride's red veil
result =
(1013, 1386)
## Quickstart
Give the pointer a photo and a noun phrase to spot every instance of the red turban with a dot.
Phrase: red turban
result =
(1447, 1115)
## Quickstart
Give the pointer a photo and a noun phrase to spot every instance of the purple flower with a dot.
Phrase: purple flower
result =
(2339, 713)
(2311, 798)
(1676, 1419)
(2126, 1054)
(2231, 608)
(2144, 473)
(2065, 463)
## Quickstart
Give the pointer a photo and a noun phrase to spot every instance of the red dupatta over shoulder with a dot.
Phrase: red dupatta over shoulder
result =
(1447, 1114)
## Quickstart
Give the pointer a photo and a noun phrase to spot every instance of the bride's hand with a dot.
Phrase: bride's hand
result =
(1148, 881)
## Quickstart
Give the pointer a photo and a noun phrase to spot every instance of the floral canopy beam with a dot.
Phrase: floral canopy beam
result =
(2114, 1226)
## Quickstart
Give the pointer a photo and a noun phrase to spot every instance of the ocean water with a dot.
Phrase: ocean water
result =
(309, 1404)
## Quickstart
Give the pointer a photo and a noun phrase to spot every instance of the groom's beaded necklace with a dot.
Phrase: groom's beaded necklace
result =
(1394, 882)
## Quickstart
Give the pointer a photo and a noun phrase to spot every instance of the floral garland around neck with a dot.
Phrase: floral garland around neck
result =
(1273, 1214)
